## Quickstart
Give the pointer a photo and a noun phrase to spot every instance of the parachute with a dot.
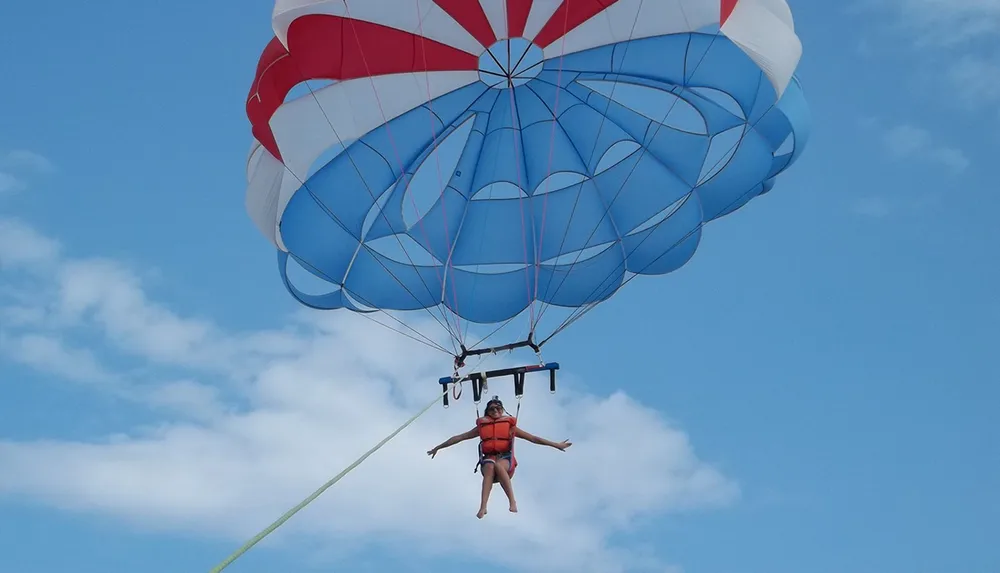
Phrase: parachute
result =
(487, 161)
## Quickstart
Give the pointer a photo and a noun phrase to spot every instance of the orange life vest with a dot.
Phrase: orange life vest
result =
(496, 436)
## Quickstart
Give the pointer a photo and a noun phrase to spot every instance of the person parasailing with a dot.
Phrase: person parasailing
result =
(496, 431)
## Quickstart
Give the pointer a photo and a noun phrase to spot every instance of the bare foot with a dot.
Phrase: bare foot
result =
(481, 513)
(513, 507)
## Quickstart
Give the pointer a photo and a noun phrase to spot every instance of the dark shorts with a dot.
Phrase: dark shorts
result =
(494, 457)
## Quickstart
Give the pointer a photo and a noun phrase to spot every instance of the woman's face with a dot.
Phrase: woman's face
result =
(494, 411)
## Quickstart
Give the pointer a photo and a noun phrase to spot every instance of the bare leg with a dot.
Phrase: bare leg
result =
(488, 473)
(504, 478)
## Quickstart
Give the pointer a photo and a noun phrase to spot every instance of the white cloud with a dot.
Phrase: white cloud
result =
(265, 417)
(950, 22)
(911, 142)
(20, 160)
(19, 316)
(938, 23)
(876, 207)
(904, 142)
(49, 354)
(22, 245)
(195, 400)
(959, 42)
(977, 78)
(9, 183)
(108, 296)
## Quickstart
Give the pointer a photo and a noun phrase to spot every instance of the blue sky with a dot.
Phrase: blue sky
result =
(818, 391)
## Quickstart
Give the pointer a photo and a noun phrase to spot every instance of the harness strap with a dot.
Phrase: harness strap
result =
(512, 438)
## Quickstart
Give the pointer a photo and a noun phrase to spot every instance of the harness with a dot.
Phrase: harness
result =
(496, 436)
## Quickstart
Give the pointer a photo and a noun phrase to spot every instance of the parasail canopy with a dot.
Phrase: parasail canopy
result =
(484, 160)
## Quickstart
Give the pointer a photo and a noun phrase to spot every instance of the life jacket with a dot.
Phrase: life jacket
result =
(496, 436)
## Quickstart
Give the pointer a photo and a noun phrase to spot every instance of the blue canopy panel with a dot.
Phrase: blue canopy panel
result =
(487, 199)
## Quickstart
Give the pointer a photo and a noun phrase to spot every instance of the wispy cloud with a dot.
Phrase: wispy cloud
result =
(977, 78)
(916, 145)
(21, 245)
(960, 37)
(50, 354)
(261, 418)
(29, 160)
(17, 165)
(950, 22)
(912, 142)
(9, 183)
(904, 141)
(873, 206)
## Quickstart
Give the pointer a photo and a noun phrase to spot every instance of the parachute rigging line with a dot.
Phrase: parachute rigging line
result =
(402, 168)
(581, 311)
(548, 181)
(642, 151)
(362, 244)
(340, 223)
(393, 156)
(458, 335)
(593, 150)
(312, 497)
(440, 174)
(426, 340)
(524, 240)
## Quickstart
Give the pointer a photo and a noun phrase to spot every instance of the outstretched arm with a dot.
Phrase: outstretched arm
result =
(453, 440)
(541, 441)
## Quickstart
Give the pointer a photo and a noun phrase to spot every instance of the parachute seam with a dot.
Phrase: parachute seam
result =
(447, 270)
(516, 117)
(586, 164)
(329, 213)
(468, 109)
(475, 171)
(642, 152)
(473, 192)
(659, 124)
(547, 180)
(746, 127)
(607, 212)
(698, 228)
(402, 172)
(378, 256)
(625, 80)
(571, 318)
(428, 340)
(519, 151)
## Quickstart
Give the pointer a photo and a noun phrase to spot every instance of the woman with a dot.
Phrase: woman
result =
(496, 431)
